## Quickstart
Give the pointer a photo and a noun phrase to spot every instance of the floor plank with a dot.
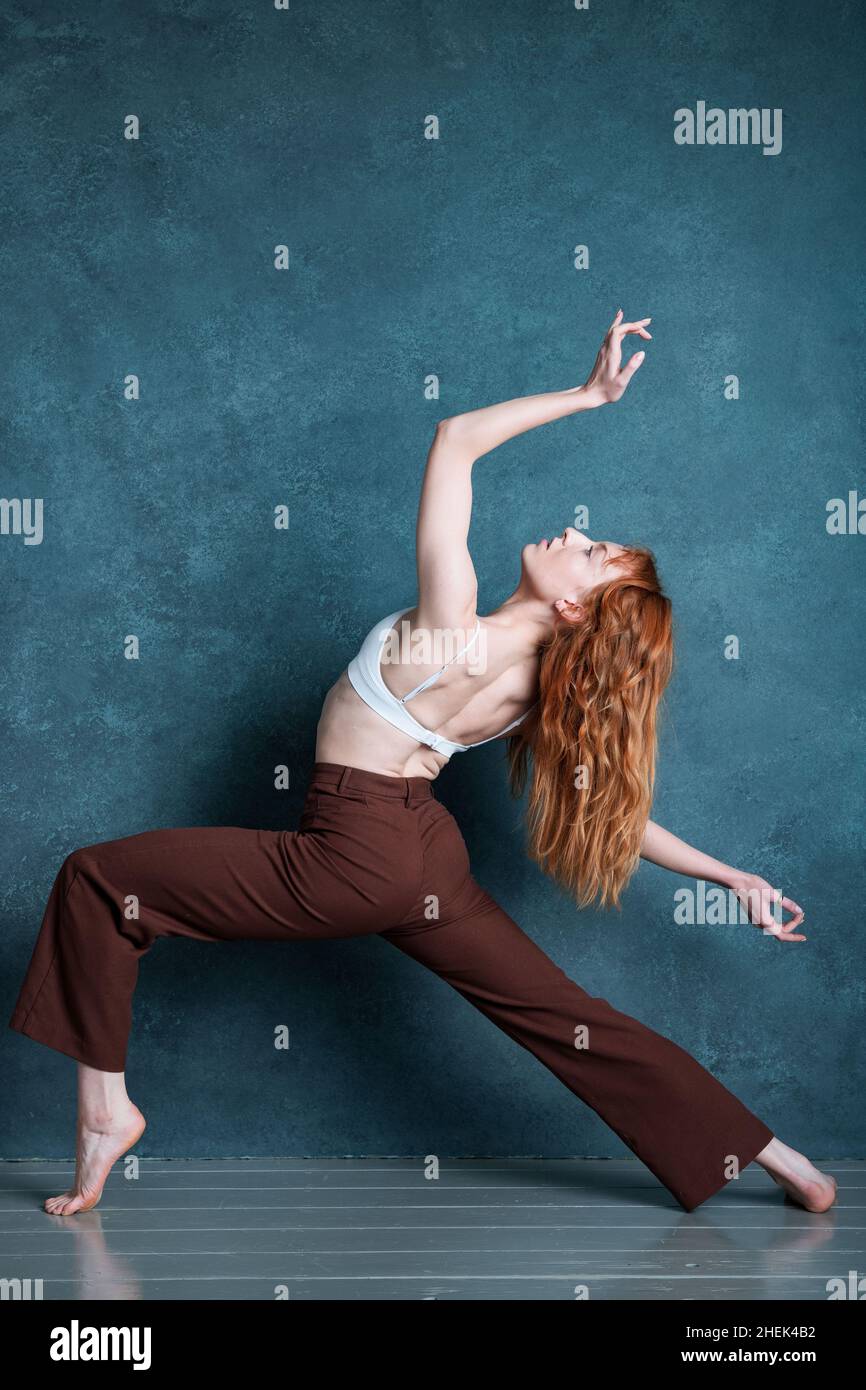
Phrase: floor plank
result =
(378, 1229)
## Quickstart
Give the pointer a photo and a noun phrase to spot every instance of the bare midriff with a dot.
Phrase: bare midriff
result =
(352, 734)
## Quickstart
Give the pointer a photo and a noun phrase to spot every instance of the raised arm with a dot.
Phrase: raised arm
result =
(447, 583)
(660, 847)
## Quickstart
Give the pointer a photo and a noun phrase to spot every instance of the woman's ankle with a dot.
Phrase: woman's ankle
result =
(776, 1157)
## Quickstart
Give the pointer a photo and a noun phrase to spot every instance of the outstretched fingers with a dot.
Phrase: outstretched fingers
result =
(637, 326)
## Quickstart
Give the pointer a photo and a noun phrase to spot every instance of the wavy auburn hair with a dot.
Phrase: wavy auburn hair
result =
(593, 738)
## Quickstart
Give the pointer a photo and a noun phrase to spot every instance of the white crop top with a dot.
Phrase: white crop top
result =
(365, 673)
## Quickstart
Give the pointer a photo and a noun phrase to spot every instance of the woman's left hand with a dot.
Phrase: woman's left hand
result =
(609, 378)
(759, 898)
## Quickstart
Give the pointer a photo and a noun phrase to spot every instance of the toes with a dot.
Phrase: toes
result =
(72, 1202)
(64, 1205)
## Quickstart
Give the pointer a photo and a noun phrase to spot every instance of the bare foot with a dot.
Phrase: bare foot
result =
(813, 1194)
(802, 1181)
(98, 1148)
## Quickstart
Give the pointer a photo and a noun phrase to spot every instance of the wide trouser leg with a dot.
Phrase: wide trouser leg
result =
(688, 1129)
(110, 902)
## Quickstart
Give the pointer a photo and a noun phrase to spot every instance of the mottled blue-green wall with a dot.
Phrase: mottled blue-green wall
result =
(305, 387)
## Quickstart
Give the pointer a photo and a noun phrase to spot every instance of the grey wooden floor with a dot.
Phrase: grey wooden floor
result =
(378, 1229)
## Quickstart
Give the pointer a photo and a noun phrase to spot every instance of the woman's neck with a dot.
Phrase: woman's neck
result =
(527, 620)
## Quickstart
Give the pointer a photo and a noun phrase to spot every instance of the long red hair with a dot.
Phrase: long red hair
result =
(593, 738)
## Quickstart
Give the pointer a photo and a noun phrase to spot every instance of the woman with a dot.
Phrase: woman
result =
(570, 669)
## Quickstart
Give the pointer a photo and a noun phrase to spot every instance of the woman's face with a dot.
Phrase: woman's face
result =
(569, 566)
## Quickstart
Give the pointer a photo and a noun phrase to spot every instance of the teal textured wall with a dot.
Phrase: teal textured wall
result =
(259, 387)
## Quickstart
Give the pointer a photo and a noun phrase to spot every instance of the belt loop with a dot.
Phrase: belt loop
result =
(345, 778)
(407, 799)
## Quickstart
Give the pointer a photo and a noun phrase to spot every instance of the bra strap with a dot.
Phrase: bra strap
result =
(436, 674)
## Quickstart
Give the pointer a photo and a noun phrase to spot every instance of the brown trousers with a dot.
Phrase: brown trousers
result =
(374, 855)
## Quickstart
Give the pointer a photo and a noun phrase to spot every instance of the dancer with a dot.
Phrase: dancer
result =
(569, 670)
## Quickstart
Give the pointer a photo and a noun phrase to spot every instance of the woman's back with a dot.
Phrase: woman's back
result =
(477, 686)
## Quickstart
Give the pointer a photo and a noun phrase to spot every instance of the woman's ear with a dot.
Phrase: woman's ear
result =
(569, 611)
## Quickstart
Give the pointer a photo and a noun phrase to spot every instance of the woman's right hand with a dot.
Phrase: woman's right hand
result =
(609, 378)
